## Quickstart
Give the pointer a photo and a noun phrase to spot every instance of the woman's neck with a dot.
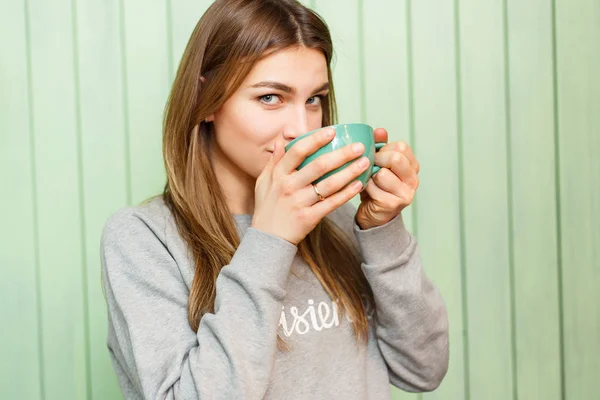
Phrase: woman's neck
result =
(237, 185)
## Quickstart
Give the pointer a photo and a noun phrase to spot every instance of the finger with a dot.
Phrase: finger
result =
(304, 148)
(380, 135)
(335, 182)
(387, 181)
(405, 149)
(379, 196)
(336, 200)
(278, 152)
(327, 163)
(396, 162)
(267, 172)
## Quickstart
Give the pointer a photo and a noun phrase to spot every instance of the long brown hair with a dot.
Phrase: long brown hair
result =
(227, 42)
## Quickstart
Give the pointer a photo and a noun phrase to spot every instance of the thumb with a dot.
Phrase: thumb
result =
(278, 153)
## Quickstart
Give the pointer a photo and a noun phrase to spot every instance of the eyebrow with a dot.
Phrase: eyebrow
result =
(285, 88)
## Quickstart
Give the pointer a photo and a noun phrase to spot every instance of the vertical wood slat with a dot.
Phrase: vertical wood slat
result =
(104, 169)
(485, 206)
(386, 73)
(530, 88)
(577, 30)
(61, 224)
(148, 81)
(20, 347)
(436, 131)
(185, 14)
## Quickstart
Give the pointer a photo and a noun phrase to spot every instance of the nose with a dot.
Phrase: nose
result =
(296, 123)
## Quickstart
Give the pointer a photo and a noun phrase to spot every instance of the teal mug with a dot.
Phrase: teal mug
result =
(344, 135)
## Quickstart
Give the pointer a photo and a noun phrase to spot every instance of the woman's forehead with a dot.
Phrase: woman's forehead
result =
(300, 68)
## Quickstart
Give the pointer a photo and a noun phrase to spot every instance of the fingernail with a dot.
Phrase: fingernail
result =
(358, 148)
(329, 133)
(357, 185)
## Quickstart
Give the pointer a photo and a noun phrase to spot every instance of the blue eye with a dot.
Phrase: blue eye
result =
(316, 100)
(268, 99)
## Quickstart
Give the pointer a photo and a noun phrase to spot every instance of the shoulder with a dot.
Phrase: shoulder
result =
(149, 220)
(140, 255)
(144, 239)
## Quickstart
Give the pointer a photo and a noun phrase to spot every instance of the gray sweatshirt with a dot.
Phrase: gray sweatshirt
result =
(147, 274)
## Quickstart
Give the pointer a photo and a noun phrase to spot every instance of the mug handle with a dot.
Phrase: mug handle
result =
(376, 168)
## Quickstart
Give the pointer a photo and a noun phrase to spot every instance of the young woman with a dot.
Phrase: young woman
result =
(245, 281)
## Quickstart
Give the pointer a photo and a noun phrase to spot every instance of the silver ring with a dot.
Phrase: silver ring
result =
(321, 198)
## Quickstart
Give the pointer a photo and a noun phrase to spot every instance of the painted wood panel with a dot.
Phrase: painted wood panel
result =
(56, 127)
(20, 344)
(499, 101)
(184, 15)
(484, 206)
(105, 164)
(147, 71)
(577, 33)
(532, 198)
(436, 146)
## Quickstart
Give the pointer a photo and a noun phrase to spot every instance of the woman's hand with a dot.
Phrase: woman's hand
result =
(286, 204)
(391, 189)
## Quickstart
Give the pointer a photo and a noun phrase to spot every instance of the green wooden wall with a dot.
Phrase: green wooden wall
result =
(499, 99)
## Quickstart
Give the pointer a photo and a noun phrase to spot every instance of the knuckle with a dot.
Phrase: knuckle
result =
(297, 151)
(336, 204)
(345, 196)
(324, 164)
(322, 136)
(336, 200)
(323, 187)
(286, 187)
(277, 175)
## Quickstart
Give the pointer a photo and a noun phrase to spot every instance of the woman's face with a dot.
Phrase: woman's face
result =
(280, 99)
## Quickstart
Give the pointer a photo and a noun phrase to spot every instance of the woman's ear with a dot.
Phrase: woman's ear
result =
(211, 117)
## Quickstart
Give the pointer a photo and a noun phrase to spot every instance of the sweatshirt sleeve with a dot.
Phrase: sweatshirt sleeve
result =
(155, 352)
(411, 323)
